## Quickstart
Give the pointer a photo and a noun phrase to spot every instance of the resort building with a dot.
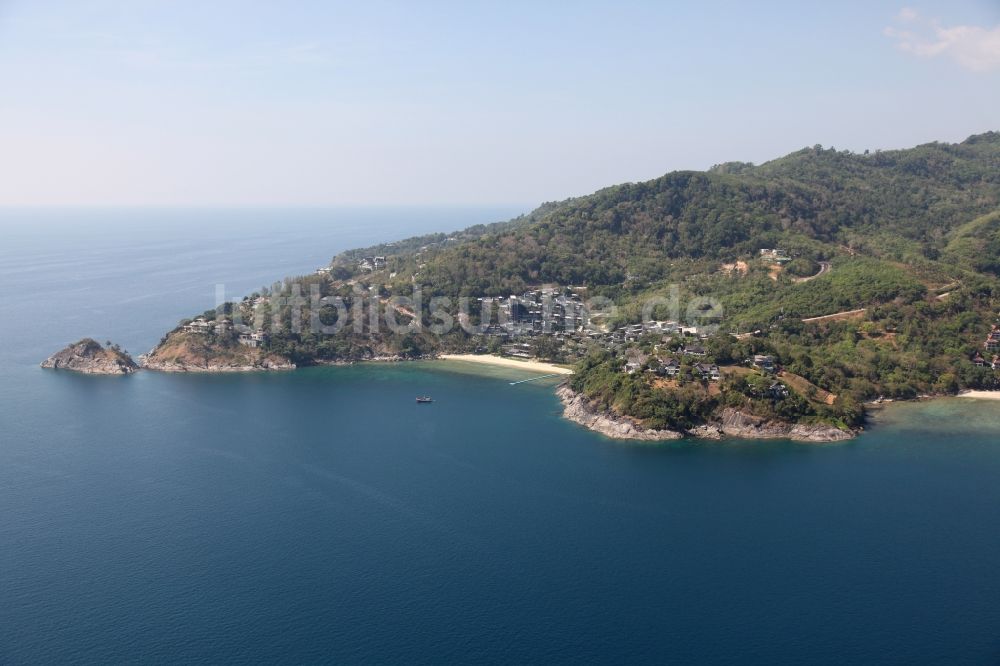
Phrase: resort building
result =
(199, 325)
(254, 339)
(775, 254)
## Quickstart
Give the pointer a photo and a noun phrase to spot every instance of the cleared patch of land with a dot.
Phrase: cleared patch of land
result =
(806, 388)
(740, 267)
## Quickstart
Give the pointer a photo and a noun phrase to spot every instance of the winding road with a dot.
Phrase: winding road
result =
(824, 267)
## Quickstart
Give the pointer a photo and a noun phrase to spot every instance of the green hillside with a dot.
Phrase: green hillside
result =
(910, 239)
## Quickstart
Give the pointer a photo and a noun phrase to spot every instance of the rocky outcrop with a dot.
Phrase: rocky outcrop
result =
(89, 357)
(732, 423)
(578, 409)
(182, 351)
(212, 366)
(216, 365)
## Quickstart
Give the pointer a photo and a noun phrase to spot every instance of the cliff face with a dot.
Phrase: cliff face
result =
(197, 352)
(89, 357)
(577, 408)
(731, 423)
(737, 424)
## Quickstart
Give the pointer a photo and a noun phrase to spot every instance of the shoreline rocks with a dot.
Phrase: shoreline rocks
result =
(88, 357)
(744, 426)
(733, 424)
(576, 408)
(264, 365)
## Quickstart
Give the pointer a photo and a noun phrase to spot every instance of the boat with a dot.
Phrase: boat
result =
(424, 398)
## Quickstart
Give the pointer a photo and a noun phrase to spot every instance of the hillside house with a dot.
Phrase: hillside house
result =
(369, 264)
(774, 254)
(635, 361)
(669, 367)
(253, 340)
(199, 325)
(992, 343)
(707, 371)
(764, 362)
(777, 391)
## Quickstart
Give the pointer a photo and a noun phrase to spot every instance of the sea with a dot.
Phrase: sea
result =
(322, 516)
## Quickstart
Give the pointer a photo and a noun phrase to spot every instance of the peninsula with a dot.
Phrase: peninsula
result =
(768, 300)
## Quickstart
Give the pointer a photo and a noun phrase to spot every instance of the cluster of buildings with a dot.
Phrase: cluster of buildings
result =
(224, 326)
(564, 317)
(537, 312)
(633, 332)
(670, 367)
(202, 325)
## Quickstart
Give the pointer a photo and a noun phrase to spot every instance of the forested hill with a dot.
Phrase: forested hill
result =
(901, 205)
(860, 274)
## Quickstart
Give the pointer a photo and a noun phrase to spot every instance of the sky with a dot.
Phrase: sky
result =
(242, 103)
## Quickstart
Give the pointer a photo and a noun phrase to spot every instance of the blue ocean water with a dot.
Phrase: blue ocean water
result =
(322, 515)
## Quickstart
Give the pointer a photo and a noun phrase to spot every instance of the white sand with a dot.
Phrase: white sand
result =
(532, 366)
(982, 395)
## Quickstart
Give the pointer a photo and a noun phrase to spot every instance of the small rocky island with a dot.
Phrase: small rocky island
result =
(89, 357)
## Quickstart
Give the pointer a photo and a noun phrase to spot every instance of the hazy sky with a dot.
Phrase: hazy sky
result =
(136, 102)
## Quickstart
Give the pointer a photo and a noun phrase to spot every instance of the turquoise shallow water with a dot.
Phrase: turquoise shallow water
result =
(322, 515)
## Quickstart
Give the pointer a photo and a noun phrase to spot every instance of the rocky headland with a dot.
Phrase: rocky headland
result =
(195, 352)
(731, 423)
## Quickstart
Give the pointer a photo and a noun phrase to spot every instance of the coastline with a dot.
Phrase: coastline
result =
(489, 359)
(576, 408)
(730, 423)
(734, 424)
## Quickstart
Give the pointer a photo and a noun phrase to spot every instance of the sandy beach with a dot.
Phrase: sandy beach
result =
(981, 395)
(532, 366)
